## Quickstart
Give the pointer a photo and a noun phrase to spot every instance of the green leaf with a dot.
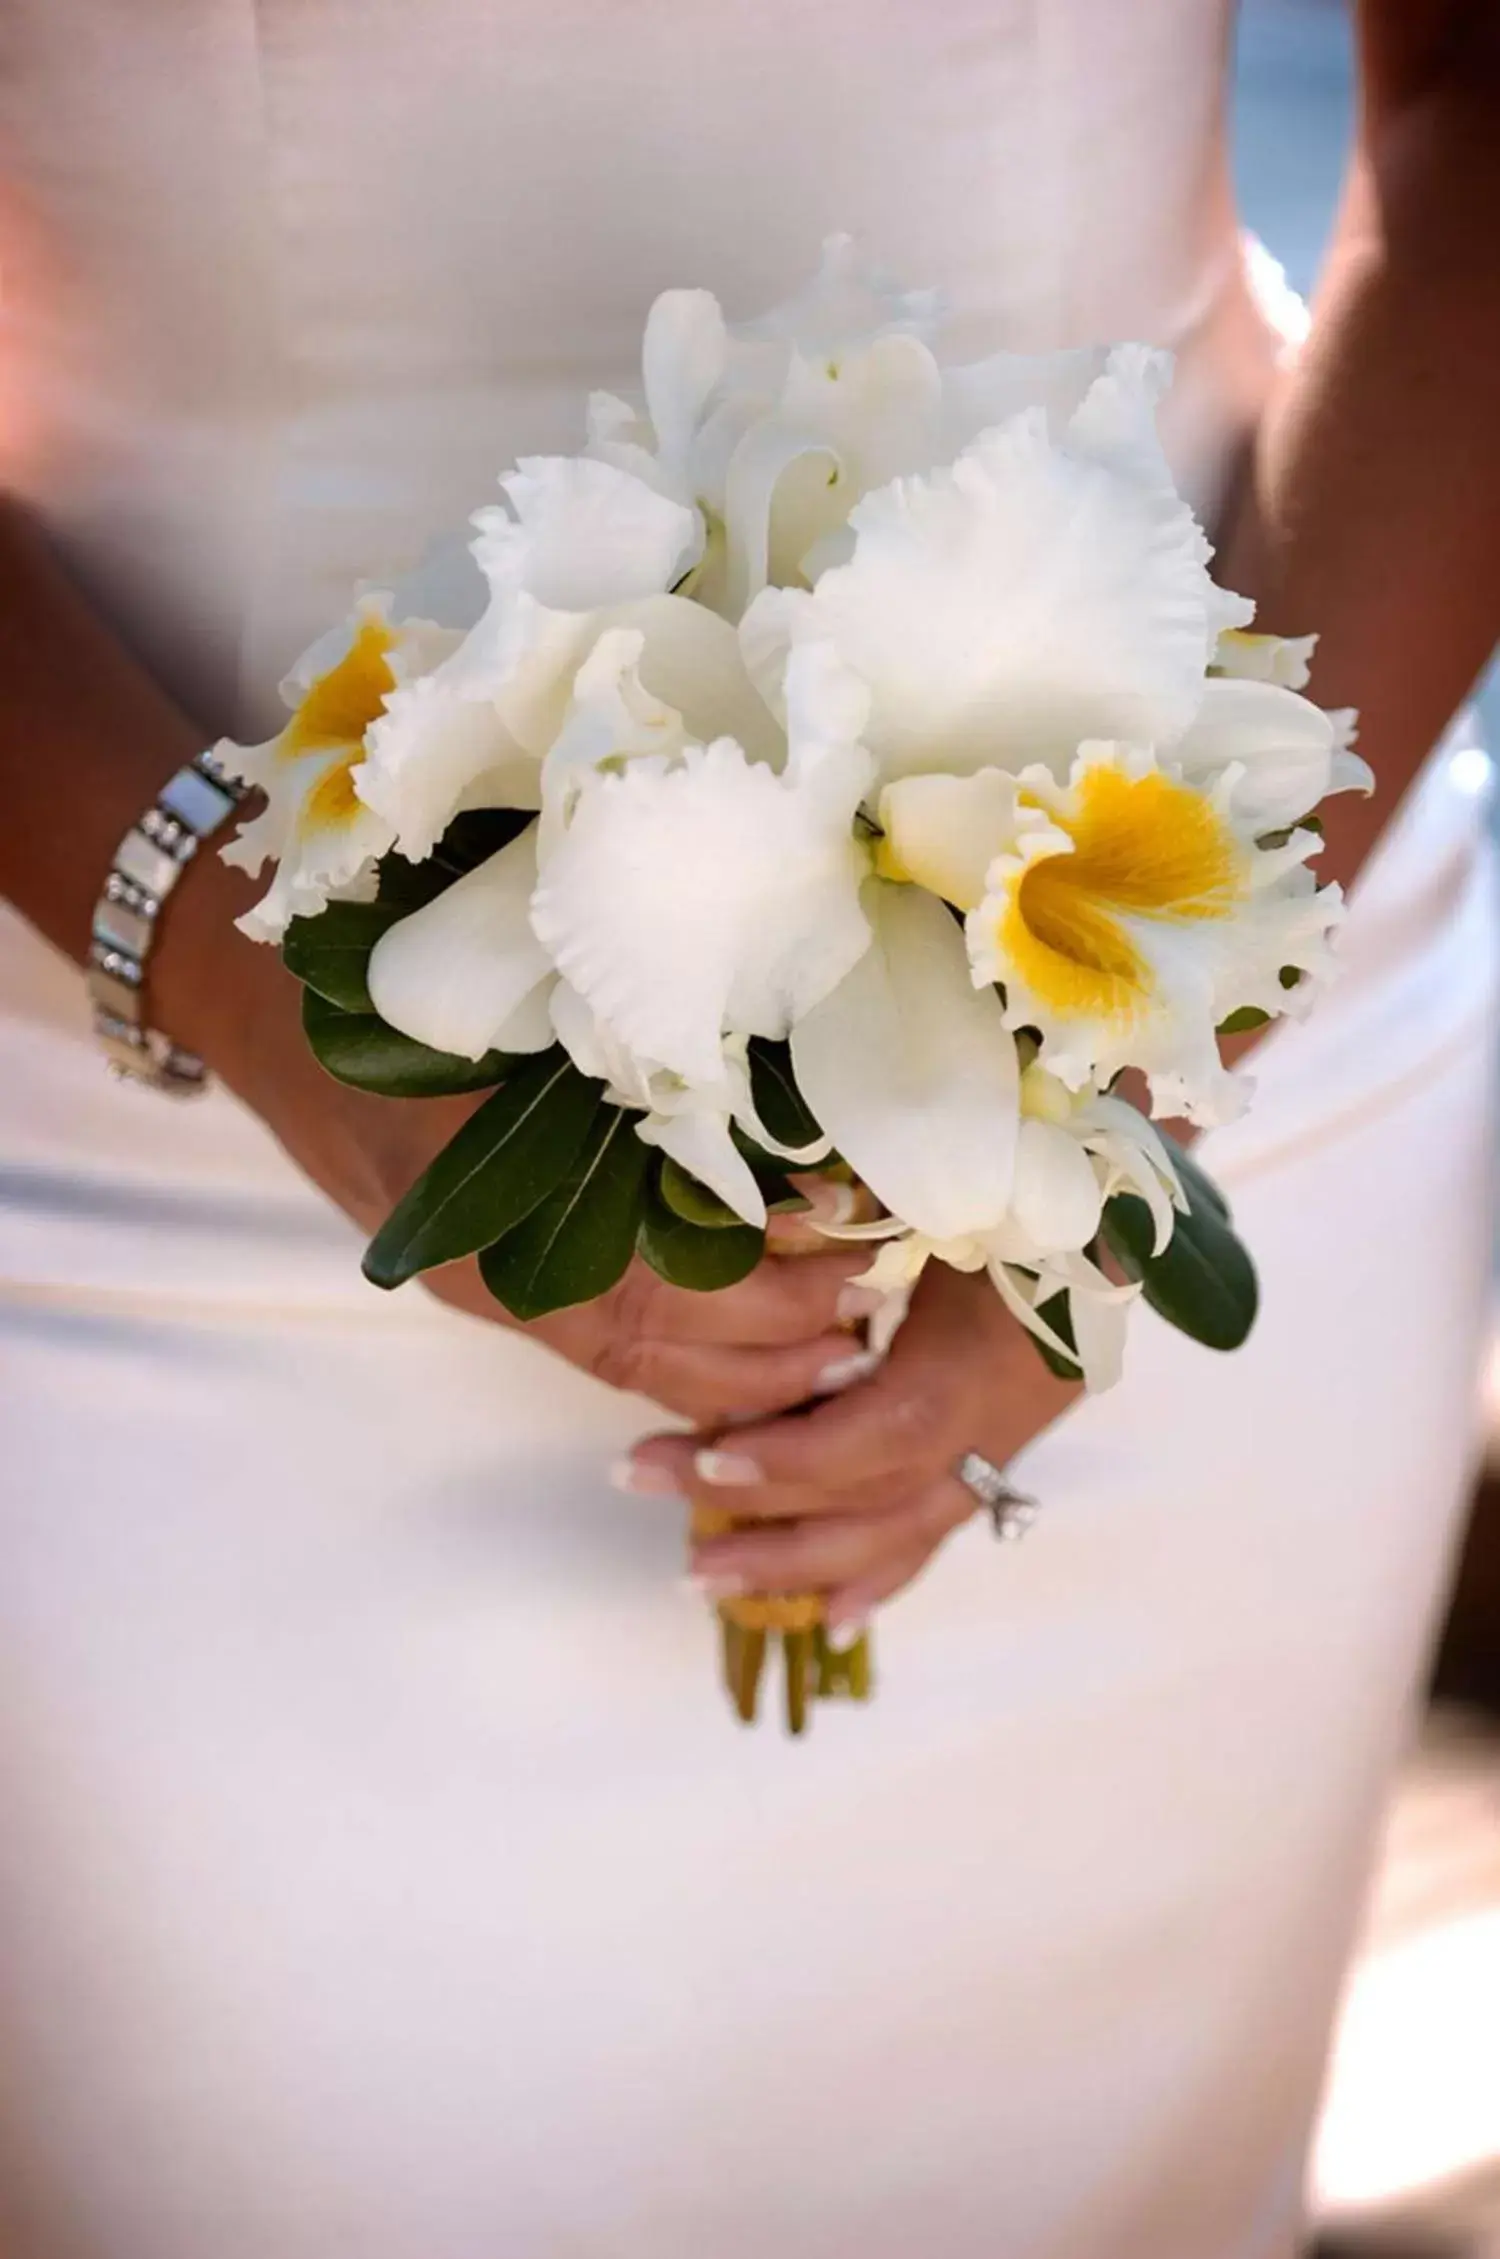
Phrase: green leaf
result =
(768, 1169)
(778, 1101)
(694, 1255)
(1204, 1281)
(1241, 1022)
(361, 1050)
(692, 1201)
(1056, 1313)
(1196, 1182)
(577, 1242)
(330, 953)
(470, 839)
(1272, 839)
(503, 1163)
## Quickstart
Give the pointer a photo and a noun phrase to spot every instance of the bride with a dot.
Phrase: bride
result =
(379, 1877)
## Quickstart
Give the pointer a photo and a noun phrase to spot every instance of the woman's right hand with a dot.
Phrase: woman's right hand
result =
(747, 1352)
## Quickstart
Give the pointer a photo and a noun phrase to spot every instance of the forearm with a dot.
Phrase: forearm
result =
(87, 739)
(1371, 508)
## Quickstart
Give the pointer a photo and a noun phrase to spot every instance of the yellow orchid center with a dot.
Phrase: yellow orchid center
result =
(341, 705)
(1145, 849)
(333, 800)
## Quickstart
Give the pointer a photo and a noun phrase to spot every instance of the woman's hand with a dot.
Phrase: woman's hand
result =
(853, 1496)
(751, 1350)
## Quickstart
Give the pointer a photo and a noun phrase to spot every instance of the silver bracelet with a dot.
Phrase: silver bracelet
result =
(148, 862)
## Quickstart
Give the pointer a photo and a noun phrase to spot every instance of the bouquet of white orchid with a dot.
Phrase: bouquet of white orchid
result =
(854, 766)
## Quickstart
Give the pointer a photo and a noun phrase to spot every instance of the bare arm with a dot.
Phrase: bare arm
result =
(1371, 507)
(87, 738)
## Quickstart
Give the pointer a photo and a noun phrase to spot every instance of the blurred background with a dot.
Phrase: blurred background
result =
(1408, 2156)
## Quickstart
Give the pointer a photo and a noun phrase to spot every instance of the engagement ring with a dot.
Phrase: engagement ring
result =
(1011, 1511)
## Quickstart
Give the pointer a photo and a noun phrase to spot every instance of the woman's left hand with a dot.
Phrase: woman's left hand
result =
(857, 1492)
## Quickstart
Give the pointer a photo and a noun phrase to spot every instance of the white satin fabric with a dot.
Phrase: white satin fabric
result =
(380, 1877)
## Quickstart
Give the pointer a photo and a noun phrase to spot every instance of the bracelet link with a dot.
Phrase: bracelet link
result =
(148, 862)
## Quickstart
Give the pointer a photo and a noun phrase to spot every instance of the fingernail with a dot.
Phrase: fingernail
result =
(717, 1587)
(643, 1480)
(728, 1467)
(845, 1372)
(857, 1301)
(830, 1201)
(847, 1629)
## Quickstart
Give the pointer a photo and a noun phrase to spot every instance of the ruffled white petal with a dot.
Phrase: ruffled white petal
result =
(711, 894)
(453, 973)
(588, 543)
(1281, 744)
(316, 861)
(324, 839)
(1037, 593)
(428, 752)
(910, 1070)
(585, 534)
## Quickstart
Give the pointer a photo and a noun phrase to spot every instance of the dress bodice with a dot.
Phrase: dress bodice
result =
(287, 282)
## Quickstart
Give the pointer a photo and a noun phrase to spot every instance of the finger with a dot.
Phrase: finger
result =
(933, 1517)
(712, 1473)
(828, 1202)
(782, 1300)
(892, 1423)
(960, 1375)
(716, 1386)
(807, 1556)
(850, 1606)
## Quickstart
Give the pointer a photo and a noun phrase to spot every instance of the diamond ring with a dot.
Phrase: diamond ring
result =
(1011, 1511)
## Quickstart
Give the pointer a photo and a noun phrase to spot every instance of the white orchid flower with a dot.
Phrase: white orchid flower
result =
(689, 895)
(1039, 591)
(708, 893)
(776, 426)
(322, 837)
(1124, 913)
(587, 543)
(1034, 626)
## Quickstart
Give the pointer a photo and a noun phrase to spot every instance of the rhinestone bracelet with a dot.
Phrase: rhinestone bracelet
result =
(148, 862)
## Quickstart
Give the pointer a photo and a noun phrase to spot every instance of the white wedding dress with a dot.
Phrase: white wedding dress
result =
(381, 1876)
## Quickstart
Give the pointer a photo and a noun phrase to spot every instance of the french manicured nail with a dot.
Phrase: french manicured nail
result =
(857, 1301)
(643, 1480)
(845, 1372)
(716, 1587)
(845, 1630)
(727, 1467)
(830, 1201)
